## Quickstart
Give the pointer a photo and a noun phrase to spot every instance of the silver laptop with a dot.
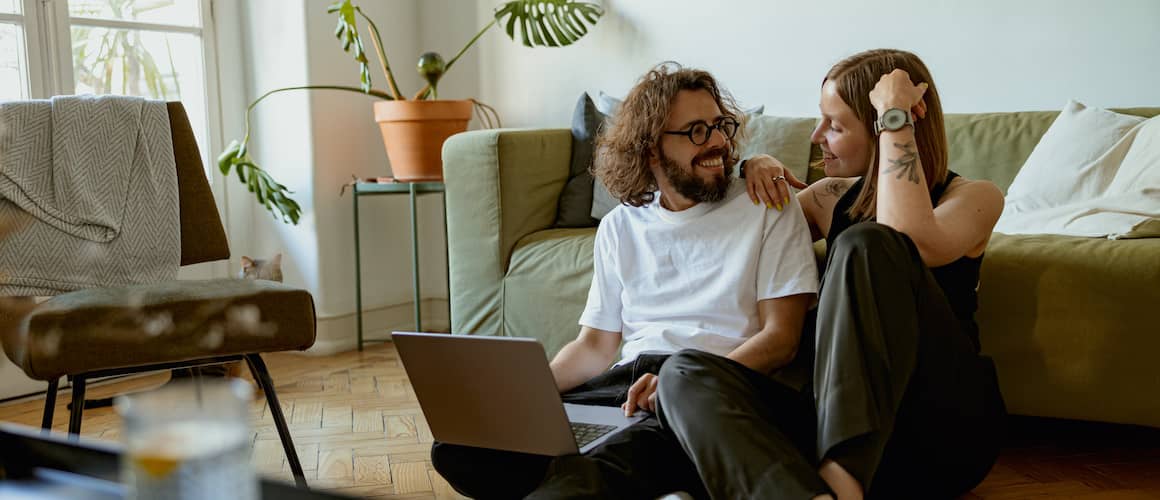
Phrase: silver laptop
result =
(498, 392)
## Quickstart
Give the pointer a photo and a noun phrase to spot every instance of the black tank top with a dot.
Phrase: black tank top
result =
(959, 280)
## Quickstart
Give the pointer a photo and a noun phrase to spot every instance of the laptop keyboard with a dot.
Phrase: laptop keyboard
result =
(587, 433)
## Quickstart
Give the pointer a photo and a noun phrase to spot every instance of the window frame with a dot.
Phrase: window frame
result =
(32, 22)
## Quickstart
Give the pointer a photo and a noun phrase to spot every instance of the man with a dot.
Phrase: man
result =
(686, 262)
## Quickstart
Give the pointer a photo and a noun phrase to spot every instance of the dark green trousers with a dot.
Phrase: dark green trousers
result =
(897, 392)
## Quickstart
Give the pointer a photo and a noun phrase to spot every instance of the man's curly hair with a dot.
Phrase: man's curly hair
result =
(629, 139)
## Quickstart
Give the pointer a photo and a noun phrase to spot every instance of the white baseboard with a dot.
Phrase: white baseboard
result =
(14, 383)
(337, 333)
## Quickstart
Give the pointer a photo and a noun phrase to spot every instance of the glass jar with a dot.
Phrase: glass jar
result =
(189, 441)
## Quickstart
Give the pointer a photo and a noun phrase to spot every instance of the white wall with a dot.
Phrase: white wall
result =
(985, 55)
(347, 142)
(13, 381)
(313, 142)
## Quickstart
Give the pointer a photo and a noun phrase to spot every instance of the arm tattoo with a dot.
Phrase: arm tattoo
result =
(836, 189)
(832, 188)
(907, 164)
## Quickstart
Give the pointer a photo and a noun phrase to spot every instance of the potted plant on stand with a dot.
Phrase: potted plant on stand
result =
(413, 127)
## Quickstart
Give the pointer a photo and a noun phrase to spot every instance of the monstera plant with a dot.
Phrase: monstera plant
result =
(537, 23)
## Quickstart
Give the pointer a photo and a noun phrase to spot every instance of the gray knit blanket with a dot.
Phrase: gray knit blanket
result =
(90, 184)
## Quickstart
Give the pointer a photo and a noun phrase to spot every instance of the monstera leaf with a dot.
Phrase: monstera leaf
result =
(548, 23)
(271, 195)
(347, 33)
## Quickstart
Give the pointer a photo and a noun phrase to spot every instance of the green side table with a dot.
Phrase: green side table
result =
(413, 189)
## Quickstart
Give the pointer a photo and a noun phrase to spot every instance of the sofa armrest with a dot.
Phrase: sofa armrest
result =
(502, 185)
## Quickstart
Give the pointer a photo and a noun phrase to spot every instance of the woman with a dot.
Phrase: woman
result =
(904, 404)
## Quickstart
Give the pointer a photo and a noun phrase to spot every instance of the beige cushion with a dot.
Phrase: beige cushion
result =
(787, 139)
(1088, 176)
(108, 328)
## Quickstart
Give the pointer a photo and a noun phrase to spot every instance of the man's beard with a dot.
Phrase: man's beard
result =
(692, 186)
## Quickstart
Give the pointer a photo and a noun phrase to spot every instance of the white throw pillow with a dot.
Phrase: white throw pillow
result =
(1095, 173)
(1075, 160)
(1139, 172)
(1138, 181)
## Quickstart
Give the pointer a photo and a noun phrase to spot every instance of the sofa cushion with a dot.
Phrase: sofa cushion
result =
(1075, 159)
(1076, 315)
(787, 139)
(546, 285)
(994, 146)
(576, 199)
(1093, 174)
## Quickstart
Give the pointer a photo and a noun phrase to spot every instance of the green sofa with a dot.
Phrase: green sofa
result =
(1071, 322)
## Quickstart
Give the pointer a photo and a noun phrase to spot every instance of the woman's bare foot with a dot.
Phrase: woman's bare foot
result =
(844, 485)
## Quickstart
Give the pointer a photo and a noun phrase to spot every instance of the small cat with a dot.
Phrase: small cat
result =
(262, 269)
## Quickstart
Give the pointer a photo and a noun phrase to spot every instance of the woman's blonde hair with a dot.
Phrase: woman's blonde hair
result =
(632, 136)
(854, 78)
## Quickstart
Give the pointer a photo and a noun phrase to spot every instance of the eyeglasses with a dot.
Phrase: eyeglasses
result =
(700, 131)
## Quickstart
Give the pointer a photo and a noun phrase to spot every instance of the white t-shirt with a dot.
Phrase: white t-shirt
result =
(692, 279)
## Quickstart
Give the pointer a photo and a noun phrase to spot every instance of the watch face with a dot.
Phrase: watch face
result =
(894, 119)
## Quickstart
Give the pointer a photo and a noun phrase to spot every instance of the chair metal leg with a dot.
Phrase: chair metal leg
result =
(262, 376)
(78, 407)
(49, 405)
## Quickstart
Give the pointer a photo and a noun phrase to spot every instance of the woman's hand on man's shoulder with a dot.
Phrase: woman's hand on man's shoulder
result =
(768, 181)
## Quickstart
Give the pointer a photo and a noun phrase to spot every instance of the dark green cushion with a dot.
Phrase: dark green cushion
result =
(576, 198)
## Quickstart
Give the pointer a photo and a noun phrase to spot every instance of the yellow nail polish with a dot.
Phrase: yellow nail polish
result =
(768, 205)
(779, 207)
(755, 203)
(786, 201)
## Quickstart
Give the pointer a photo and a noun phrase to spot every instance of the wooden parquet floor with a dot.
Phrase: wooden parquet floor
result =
(359, 431)
(356, 424)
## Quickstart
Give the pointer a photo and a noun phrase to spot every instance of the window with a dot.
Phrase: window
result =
(160, 49)
(14, 64)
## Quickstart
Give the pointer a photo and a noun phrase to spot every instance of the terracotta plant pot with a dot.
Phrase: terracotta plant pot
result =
(414, 131)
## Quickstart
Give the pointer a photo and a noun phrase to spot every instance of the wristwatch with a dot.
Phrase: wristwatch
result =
(893, 119)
